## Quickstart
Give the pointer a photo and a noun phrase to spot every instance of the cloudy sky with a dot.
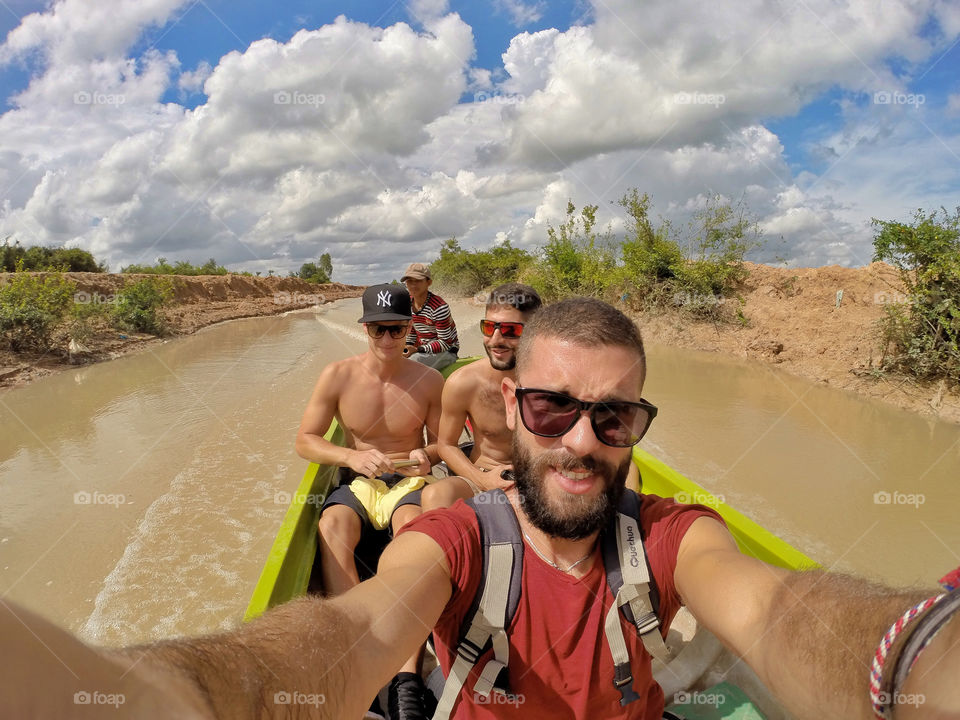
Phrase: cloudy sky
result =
(264, 134)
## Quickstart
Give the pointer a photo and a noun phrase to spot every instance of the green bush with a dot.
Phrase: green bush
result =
(469, 271)
(923, 333)
(320, 272)
(576, 260)
(84, 319)
(696, 273)
(180, 267)
(651, 267)
(137, 306)
(45, 259)
(31, 307)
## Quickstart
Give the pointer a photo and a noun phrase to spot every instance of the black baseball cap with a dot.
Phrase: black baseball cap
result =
(385, 302)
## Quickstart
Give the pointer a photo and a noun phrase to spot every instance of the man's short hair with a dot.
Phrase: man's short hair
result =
(582, 321)
(516, 295)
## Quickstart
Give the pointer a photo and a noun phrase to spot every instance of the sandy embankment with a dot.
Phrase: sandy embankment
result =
(197, 302)
(793, 319)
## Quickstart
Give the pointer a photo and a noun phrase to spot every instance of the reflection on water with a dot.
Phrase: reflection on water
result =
(139, 498)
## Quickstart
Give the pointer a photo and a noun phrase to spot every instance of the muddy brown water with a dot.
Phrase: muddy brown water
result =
(139, 497)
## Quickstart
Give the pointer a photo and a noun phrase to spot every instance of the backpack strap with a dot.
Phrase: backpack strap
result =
(493, 607)
(629, 578)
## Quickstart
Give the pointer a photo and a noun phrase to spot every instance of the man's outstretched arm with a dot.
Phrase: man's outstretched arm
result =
(310, 658)
(810, 636)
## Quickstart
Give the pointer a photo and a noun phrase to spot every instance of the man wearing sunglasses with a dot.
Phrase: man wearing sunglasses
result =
(384, 404)
(473, 393)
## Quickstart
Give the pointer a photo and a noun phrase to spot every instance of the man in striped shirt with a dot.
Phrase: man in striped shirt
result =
(433, 334)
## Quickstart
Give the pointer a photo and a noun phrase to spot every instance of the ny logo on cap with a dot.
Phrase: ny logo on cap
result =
(383, 298)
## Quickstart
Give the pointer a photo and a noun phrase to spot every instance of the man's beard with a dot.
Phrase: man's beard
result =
(579, 517)
(501, 365)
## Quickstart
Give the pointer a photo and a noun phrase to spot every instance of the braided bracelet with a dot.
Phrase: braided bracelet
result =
(883, 700)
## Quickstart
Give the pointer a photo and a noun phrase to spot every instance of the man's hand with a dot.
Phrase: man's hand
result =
(494, 477)
(370, 463)
(409, 350)
(424, 466)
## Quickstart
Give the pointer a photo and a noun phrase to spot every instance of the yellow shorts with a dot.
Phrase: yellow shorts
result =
(380, 500)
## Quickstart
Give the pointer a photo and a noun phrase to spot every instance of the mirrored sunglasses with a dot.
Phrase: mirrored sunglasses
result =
(507, 329)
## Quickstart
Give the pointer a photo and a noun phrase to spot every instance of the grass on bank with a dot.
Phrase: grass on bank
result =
(34, 308)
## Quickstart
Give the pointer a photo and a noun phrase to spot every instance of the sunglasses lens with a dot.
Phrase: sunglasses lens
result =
(511, 330)
(548, 414)
(619, 424)
(378, 331)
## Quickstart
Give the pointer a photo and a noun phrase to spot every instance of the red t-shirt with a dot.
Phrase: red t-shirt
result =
(560, 663)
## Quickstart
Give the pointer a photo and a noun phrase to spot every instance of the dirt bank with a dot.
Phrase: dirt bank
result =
(797, 319)
(197, 302)
(792, 318)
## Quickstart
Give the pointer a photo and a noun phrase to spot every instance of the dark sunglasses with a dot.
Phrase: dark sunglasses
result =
(616, 423)
(377, 331)
(507, 329)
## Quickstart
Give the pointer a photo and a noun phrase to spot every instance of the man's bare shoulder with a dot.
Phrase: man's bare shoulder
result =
(423, 374)
(468, 375)
(340, 371)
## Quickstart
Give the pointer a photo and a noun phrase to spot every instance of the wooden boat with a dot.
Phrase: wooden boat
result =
(290, 564)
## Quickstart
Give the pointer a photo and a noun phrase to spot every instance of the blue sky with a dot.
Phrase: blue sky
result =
(263, 134)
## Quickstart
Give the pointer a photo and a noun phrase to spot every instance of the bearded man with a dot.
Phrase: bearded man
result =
(473, 394)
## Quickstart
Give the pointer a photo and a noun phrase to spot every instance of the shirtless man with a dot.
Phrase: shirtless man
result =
(383, 402)
(473, 392)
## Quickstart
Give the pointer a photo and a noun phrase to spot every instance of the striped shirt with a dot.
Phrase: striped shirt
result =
(433, 328)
